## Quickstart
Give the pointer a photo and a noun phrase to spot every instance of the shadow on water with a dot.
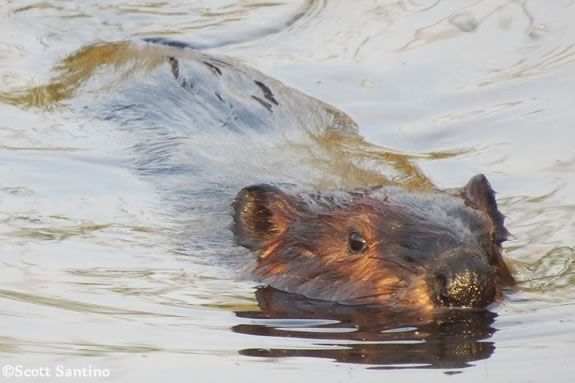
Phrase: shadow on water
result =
(377, 336)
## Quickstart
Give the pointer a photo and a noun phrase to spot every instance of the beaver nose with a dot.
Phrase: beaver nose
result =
(463, 280)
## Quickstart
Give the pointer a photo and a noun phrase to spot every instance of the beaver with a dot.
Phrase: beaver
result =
(385, 245)
(320, 217)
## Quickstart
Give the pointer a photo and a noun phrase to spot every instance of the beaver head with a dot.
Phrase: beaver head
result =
(385, 245)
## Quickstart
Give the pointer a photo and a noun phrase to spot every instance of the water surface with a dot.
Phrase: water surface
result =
(94, 270)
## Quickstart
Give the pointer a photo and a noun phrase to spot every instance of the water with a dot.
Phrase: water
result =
(93, 273)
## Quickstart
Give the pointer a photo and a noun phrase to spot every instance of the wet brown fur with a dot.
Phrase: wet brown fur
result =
(363, 270)
(304, 247)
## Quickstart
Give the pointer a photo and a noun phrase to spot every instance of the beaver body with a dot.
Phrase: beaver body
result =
(320, 216)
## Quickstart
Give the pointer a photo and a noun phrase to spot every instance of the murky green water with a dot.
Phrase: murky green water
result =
(93, 270)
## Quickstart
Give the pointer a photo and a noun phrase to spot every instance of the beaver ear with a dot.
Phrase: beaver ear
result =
(479, 195)
(258, 212)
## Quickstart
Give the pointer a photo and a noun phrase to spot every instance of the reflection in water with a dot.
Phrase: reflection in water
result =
(369, 335)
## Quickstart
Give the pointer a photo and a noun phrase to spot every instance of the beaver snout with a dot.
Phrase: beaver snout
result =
(464, 279)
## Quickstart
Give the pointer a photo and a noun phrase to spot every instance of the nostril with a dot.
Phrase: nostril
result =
(463, 289)
(463, 279)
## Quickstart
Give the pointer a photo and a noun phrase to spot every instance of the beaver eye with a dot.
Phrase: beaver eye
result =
(357, 243)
